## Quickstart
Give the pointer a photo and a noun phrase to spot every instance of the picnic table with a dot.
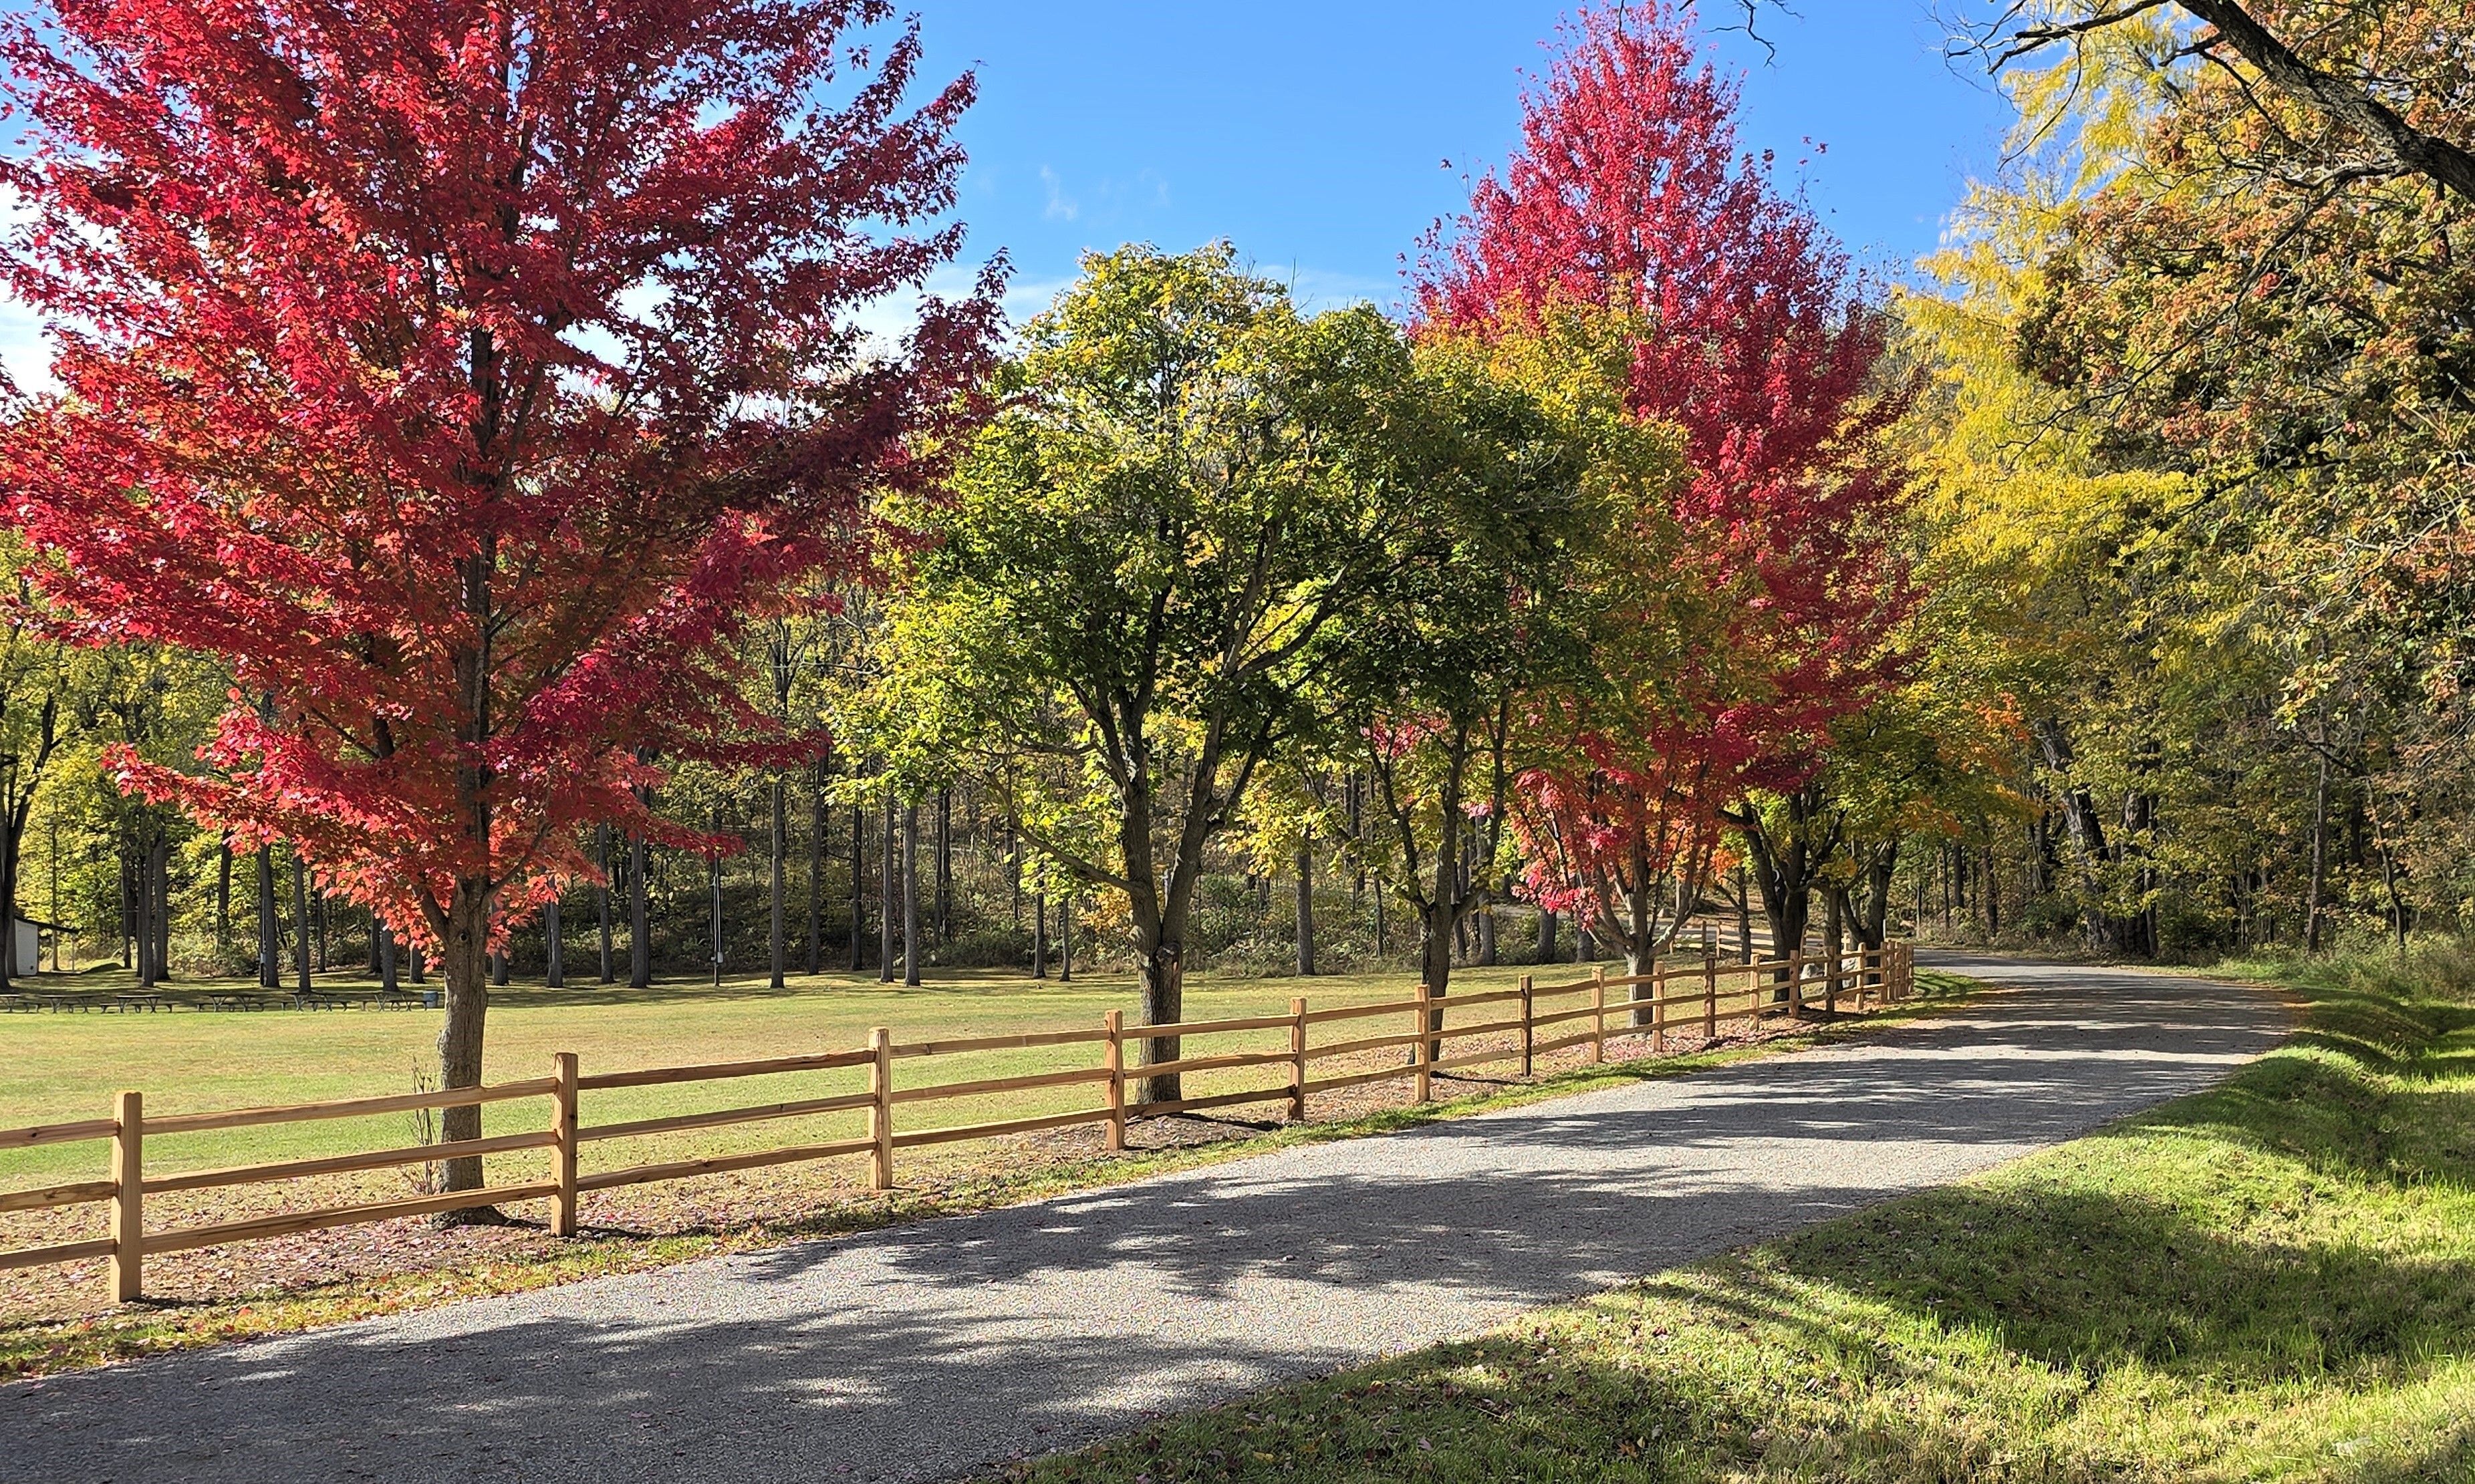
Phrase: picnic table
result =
(234, 1000)
(145, 1000)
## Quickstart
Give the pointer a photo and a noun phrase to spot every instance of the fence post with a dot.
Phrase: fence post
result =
(1796, 981)
(562, 1128)
(1830, 986)
(1297, 1061)
(1599, 1014)
(1115, 1059)
(1529, 1030)
(1658, 1016)
(1710, 978)
(880, 1113)
(1422, 1051)
(127, 1199)
(1709, 1010)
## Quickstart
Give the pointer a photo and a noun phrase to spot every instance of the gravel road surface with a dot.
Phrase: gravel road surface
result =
(945, 1348)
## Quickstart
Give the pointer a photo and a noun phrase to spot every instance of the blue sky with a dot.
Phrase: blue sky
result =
(1316, 136)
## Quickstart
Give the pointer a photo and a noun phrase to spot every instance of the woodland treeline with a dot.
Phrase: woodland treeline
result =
(1651, 569)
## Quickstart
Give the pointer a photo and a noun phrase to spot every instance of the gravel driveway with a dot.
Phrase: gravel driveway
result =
(941, 1349)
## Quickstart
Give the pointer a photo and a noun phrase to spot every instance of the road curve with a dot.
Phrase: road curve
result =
(944, 1348)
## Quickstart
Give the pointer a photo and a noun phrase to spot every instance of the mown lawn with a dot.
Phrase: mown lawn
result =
(2272, 1281)
(61, 1067)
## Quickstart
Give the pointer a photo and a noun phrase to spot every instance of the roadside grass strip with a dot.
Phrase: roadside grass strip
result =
(2271, 1281)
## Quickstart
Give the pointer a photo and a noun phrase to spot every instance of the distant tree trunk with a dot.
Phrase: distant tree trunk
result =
(2319, 853)
(554, 947)
(1066, 939)
(159, 869)
(640, 942)
(1306, 905)
(301, 932)
(889, 905)
(270, 970)
(945, 866)
(141, 916)
(601, 901)
(778, 945)
(223, 893)
(816, 870)
(383, 938)
(713, 879)
(910, 894)
(1547, 926)
(1039, 935)
(859, 893)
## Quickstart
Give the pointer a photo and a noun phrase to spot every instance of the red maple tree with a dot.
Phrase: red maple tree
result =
(1631, 196)
(466, 374)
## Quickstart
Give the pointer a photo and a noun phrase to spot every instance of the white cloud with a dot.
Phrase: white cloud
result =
(1060, 207)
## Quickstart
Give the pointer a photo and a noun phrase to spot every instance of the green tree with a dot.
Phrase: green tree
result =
(1146, 559)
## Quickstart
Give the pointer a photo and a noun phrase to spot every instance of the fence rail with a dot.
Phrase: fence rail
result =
(1866, 979)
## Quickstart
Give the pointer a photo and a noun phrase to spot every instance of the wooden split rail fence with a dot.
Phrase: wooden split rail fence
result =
(1694, 993)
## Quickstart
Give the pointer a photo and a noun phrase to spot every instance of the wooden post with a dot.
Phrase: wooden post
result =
(562, 1127)
(127, 1199)
(1599, 1015)
(880, 1114)
(1423, 1049)
(1830, 986)
(1529, 1031)
(1709, 1010)
(1710, 978)
(1796, 981)
(1658, 1016)
(1297, 1061)
(1115, 1052)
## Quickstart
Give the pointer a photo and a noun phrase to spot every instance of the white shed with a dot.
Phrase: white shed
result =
(26, 938)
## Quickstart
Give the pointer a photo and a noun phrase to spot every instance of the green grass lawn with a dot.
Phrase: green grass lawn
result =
(61, 1067)
(2272, 1281)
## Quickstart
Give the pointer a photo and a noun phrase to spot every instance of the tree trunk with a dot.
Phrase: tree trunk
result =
(713, 888)
(601, 901)
(141, 928)
(1546, 937)
(1164, 979)
(553, 948)
(859, 890)
(2319, 855)
(300, 927)
(1305, 906)
(640, 940)
(1066, 939)
(945, 866)
(816, 871)
(383, 938)
(1040, 935)
(463, 962)
(270, 972)
(223, 893)
(889, 908)
(777, 945)
(910, 894)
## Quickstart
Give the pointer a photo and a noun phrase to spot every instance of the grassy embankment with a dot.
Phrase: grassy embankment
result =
(2272, 1281)
(61, 1067)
